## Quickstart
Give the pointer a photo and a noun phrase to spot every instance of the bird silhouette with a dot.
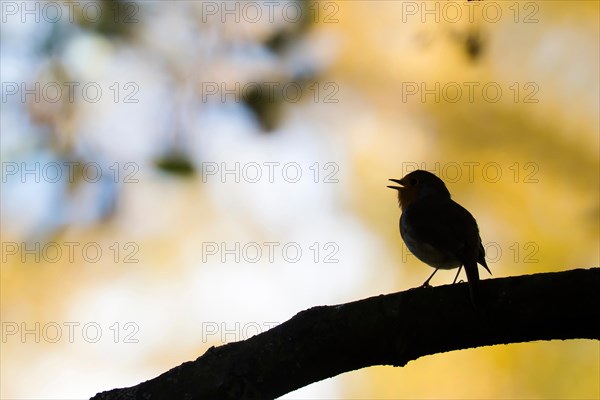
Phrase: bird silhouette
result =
(437, 230)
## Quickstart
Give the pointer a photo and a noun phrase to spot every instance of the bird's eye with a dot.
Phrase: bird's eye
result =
(413, 181)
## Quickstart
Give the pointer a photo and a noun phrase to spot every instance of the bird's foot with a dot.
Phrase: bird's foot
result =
(426, 284)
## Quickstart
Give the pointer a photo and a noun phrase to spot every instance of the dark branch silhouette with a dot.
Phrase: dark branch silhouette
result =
(392, 329)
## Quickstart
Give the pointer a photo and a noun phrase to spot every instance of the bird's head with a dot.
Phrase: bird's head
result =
(416, 185)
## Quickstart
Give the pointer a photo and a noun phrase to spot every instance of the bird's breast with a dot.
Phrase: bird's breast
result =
(424, 251)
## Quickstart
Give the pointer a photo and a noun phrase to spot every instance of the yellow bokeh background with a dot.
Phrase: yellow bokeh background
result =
(390, 91)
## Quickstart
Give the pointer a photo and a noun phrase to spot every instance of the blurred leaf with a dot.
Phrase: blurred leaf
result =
(283, 38)
(266, 105)
(474, 44)
(114, 17)
(176, 163)
(279, 41)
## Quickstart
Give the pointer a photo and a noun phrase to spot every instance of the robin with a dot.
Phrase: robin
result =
(437, 230)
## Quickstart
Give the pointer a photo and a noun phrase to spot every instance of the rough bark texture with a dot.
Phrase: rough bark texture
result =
(393, 329)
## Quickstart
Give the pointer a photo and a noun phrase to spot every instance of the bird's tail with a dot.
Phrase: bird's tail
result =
(473, 278)
(481, 257)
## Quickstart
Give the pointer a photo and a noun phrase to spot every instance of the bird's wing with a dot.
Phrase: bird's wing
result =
(445, 225)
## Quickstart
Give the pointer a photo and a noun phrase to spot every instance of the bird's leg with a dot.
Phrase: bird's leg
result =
(457, 274)
(426, 284)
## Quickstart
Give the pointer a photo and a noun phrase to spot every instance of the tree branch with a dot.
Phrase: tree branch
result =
(393, 329)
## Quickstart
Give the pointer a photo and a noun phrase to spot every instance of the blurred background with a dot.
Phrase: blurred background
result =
(180, 175)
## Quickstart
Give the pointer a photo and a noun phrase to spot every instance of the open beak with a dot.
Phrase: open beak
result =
(399, 182)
